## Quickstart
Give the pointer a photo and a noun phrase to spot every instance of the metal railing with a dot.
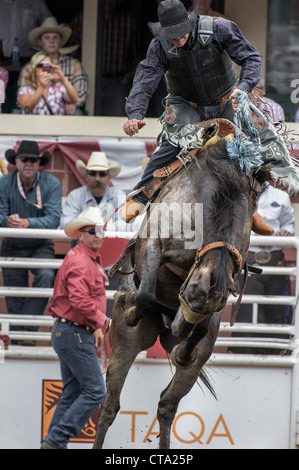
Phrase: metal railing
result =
(289, 342)
(289, 331)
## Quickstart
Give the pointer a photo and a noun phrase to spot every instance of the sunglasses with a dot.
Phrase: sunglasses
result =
(29, 159)
(102, 174)
(93, 231)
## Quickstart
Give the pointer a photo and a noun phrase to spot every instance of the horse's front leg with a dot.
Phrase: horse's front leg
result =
(147, 267)
(184, 378)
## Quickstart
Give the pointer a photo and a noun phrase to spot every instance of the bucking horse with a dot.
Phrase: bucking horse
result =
(178, 272)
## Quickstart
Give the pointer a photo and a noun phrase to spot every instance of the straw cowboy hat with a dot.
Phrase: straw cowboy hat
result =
(98, 162)
(27, 148)
(174, 20)
(50, 25)
(90, 216)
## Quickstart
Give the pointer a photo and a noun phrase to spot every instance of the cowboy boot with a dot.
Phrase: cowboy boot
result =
(260, 226)
(131, 210)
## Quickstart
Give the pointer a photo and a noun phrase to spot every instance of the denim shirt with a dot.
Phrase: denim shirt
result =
(12, 202)
(81, 198)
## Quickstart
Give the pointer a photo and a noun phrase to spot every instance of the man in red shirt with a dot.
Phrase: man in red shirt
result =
(79, 306)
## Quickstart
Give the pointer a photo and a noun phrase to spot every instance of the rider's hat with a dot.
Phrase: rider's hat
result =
(174, 20)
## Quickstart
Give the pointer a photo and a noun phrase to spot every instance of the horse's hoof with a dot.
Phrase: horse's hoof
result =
(132, 317)
(180, 360)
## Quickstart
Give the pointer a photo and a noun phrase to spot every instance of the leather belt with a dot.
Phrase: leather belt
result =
(222, 100)
(264, 256)
(69, 322)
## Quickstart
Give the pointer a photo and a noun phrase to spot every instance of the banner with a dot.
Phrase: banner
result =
(130, 153)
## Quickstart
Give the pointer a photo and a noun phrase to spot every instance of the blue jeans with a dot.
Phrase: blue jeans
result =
(18, 277)
(83, 385)
(178, 113)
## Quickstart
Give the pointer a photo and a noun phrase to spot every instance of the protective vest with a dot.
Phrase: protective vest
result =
(205, 73)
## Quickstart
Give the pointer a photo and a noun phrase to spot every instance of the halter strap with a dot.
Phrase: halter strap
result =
(195, 317)
(212, 246)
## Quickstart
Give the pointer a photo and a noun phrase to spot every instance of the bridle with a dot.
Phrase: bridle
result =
(194, 317)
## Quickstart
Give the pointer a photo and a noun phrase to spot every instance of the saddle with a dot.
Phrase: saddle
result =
(213, 131)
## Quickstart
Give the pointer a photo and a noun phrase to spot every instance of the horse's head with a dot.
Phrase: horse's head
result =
(227, 216)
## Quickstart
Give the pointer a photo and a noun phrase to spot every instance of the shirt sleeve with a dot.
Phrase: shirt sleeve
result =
(24, 90)
(80, 81)
(244, 54)
(4, 202)
(79, 296)
(71, 208)
(287, 219)
(148, 75)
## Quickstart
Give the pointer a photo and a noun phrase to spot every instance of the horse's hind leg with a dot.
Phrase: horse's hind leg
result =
(119, 365)
(183, 381)
(126, 344)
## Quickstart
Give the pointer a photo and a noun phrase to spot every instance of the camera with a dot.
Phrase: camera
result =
(47, 68)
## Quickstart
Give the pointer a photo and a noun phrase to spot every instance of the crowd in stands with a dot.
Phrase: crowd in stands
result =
(58, 50)
(31, 198)
(62, 82)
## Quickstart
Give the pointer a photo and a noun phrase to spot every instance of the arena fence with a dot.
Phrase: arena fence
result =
(290, 332)
(289, 342)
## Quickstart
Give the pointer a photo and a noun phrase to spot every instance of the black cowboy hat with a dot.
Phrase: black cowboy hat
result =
(27, 148)
(174, 20)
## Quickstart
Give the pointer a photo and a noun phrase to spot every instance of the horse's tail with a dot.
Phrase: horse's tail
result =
(206, 381)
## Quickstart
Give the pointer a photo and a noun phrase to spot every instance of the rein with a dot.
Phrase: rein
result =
(194, 317)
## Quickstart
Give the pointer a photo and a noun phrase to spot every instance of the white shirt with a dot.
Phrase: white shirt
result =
(274, 205)
(81, 198)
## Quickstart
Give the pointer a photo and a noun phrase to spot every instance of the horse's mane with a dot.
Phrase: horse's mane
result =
(228, 187)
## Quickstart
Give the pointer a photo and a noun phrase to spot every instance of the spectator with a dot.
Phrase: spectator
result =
(204, 8)
(275, 207)
(28, 199)
(17, 18)
(98, 192)
(297, 116)
(50, 38)
(48, 90)
(3, 84)
(79, 306)
(273, 109)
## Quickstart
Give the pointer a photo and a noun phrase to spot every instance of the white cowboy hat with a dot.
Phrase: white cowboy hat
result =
(98, 162)
(50, 25)
(90, 216)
